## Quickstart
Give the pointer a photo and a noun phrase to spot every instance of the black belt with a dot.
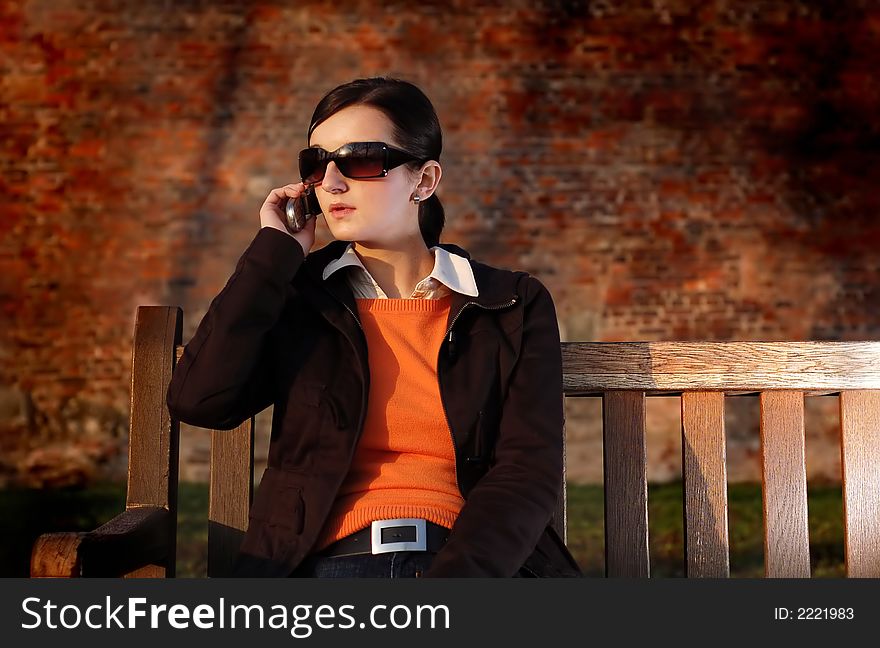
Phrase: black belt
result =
(383, 536)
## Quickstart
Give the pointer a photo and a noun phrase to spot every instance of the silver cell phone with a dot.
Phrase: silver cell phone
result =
(298, 211)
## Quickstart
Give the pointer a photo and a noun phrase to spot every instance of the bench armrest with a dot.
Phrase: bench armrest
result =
(138, 537)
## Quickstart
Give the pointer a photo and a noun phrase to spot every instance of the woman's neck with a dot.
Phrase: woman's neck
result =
(397, 270)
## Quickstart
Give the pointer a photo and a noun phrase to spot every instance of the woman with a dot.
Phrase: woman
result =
(438, 453)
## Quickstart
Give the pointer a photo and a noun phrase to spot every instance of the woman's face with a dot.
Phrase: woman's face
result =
(383, 212)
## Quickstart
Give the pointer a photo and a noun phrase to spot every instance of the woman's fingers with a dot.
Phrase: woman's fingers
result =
(280, 194)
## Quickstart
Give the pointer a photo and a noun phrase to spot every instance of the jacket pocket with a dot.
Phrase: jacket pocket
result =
(485, 436)
(278, 502)
(304, 419)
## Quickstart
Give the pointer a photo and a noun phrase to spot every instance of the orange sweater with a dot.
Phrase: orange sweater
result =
(404, 464)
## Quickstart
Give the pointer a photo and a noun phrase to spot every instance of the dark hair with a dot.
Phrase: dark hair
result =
(416, 130)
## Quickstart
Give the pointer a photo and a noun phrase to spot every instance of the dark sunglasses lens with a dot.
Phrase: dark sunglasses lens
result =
(361, 166)
(311, 166)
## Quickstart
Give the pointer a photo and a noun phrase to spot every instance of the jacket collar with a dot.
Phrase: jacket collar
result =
(451, 269)
(493, 285)
(497, 287)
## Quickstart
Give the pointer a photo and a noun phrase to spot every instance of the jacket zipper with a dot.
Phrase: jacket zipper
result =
(448, 336)
(356, 319)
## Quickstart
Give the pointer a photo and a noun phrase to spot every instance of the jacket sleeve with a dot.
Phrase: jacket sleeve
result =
(508, 509)
(224, 375)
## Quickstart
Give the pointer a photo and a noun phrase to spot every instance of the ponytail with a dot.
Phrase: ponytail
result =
(432, 218)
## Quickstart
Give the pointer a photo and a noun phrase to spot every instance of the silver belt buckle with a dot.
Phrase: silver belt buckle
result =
(419, 544)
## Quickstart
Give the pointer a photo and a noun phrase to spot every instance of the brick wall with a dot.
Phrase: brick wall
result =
(671, 170)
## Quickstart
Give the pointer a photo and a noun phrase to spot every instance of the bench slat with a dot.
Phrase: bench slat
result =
(784, 476)
(860, 439)
(153, 435)
(626, 485)
(707, 549)
(232, 479)
(594, 367)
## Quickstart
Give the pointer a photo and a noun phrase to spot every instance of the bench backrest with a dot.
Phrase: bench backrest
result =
(623, 375)
(703, 374)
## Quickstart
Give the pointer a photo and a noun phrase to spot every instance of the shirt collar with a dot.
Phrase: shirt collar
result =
(450, 269)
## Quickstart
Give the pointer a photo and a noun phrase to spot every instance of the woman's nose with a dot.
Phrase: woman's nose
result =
(333, 179)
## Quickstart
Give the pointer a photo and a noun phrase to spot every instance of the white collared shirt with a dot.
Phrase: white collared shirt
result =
(451, 272)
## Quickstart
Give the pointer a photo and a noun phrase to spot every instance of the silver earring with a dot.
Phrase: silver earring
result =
(416, 199)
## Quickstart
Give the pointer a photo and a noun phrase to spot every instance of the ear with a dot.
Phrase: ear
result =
(429, 178)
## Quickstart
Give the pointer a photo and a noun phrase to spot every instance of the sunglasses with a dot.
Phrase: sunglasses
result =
(355, 160)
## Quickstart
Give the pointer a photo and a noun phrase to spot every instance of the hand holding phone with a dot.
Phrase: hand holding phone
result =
(293, 209)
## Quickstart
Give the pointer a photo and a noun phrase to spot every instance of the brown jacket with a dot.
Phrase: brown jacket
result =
(278, 333)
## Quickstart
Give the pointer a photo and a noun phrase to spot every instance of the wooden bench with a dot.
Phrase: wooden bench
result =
(141, 541)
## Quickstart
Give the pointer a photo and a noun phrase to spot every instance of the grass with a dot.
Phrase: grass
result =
(586, 539)
(28, 513)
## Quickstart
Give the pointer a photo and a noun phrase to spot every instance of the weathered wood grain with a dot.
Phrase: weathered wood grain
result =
(154, 437)
(860, 459)
(707, 545)
(784, 477)
(56, 555)
(822, 367)
(626, 485)
(232, 478)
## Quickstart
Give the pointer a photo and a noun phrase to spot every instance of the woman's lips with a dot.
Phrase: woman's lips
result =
(342, 213)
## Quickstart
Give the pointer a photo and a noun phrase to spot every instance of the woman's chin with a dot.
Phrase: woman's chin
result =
(345, 233)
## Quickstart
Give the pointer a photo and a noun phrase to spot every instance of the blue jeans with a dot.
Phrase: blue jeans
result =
(394, 564)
